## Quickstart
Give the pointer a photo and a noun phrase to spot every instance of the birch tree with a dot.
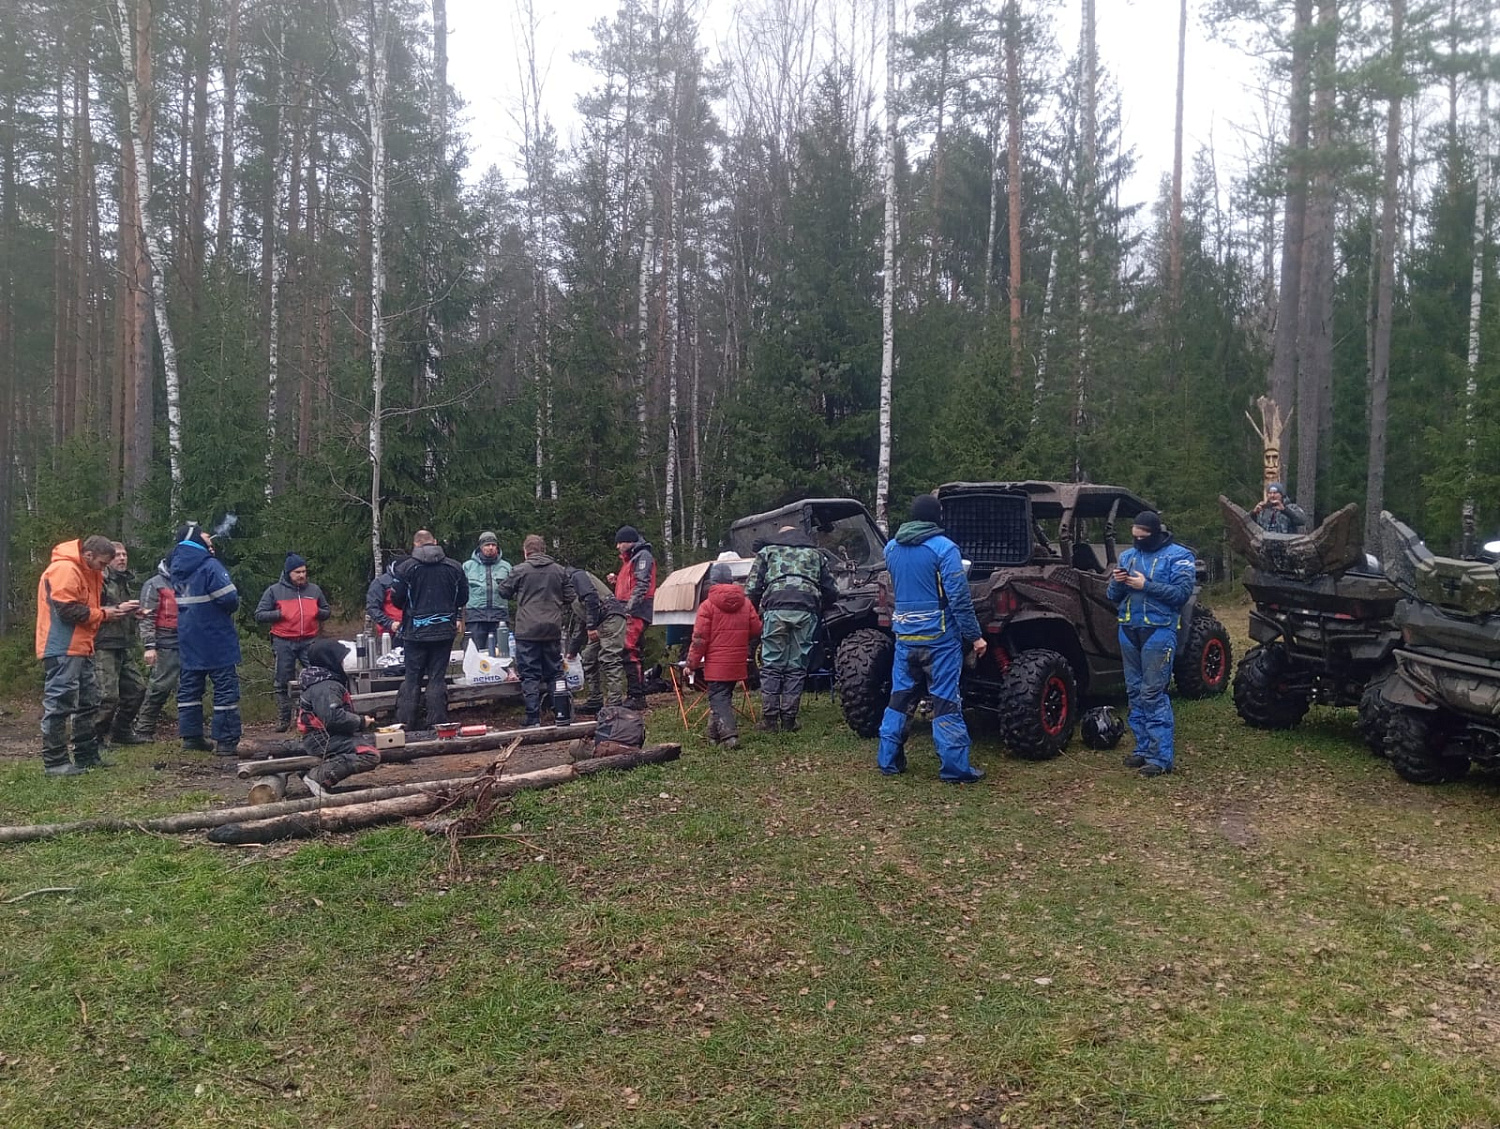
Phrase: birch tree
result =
(130, 40)
(374, 66)
(1385, 284)
(1476, 303)
(888, 292)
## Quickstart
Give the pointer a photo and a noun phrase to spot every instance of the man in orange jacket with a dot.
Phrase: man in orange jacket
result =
(68, 616)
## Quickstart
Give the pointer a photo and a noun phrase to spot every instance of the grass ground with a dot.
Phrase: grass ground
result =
(1281, 934)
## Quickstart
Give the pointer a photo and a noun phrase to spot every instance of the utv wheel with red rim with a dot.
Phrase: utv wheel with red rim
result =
(1204, 660)
(1039, 706)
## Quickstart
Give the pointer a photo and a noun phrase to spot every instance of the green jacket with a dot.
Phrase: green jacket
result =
(485, 604)
(790, 574)
(117, 634)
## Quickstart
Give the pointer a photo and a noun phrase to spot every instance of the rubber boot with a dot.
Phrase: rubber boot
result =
(635, 687)
(197, 745)
(791, 699)
(770, 700)
(283, 710)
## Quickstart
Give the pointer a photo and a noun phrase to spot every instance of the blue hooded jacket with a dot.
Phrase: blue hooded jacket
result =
(1171, 573)
(206, 599)
(932, 592)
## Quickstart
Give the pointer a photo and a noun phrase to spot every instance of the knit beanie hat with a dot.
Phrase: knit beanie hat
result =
(721, 574)
(1148, 519)
(925, 507)
(293, 561)
(627, 534)
(191, 532)
(488, 538)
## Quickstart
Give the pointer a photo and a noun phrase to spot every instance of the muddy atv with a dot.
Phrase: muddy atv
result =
(1040, 555)
(852, 544)
(1445, 698)
(1323, 624)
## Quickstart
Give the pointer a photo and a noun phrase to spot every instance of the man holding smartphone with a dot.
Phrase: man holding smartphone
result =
(1152, 581)
(68, 617)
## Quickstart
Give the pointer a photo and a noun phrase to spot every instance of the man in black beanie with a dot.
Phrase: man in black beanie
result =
(1152, 581)
(295, 608)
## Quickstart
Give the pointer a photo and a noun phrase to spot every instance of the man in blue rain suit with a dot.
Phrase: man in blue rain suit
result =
(1151, 583)
(934, 624)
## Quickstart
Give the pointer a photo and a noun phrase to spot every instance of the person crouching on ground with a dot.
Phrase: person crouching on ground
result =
(1151, 583)
(295, 608)
(723, 630)
(327, 721)
(935, 624)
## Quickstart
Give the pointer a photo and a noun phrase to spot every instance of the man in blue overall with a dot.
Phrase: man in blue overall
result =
(1151, 583)
(934, 623)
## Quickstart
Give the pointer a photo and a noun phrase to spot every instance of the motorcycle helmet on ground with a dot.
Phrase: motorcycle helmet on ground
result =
(1101, 728)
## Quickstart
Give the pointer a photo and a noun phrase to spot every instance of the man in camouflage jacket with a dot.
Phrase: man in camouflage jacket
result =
(789, 585)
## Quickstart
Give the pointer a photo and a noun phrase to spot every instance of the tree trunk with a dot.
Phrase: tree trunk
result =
(671, 312)
(224, 233)
(1315, 368)
(9, 375)
(1385, 287)
(1284, 359)
(272, 252)
(1013, 169)
(432, 340)
(888, 269)
(197, 186)
(1087, 191)
(1476, 307)
(1176, 217)
(139, 124)
(377, 15)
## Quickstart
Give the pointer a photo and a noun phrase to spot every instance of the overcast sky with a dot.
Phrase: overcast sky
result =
(1137, 43)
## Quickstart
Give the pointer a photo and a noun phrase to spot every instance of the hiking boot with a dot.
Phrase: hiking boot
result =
(731, 742)
(592, 706)
(64, 770)
(973, 776)
(789, 723)
(1135, 760)
(532, 723)
(129, 739)
(712, 732)
(95, 762)
(228, 749)
(769, 723)
(197, 745)
(636, 704)
(1150, 770)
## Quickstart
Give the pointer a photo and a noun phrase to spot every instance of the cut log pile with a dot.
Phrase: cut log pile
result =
(269, 817)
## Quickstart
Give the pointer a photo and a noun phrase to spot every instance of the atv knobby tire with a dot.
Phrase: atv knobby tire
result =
(862, 670)
(1038, 704)
(1259, 696)
(1204, 660)
(1414, 740)
(1375, 712)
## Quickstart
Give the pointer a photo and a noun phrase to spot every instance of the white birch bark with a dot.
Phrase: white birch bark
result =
(643, 331)
(1089, 65)
(1385, 288)
(673, 265)
(153, 254)
(1476, 305)
(888, 296)
(374, 68)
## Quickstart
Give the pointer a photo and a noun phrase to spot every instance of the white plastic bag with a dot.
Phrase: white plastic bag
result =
(573, 674)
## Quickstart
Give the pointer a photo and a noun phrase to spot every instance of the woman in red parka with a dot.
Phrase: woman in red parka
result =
(724, 629)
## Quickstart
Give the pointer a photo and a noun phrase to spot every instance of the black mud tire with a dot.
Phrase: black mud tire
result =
(1259, 696)
(1375, 712)
(1414, 740)
(862, 670)
(1205, 659)
(1039, 705)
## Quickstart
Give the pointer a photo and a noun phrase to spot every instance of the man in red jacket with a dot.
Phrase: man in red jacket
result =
(723, 630)
(295, 608)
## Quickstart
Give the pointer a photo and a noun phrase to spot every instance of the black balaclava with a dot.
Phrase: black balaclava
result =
(1149, 519)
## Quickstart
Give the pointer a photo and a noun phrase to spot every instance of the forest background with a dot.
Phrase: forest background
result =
(245, 269)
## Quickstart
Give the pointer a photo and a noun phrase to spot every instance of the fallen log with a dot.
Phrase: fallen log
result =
(416, 750)
(202, 820)
(437, 795)
(268, 789)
